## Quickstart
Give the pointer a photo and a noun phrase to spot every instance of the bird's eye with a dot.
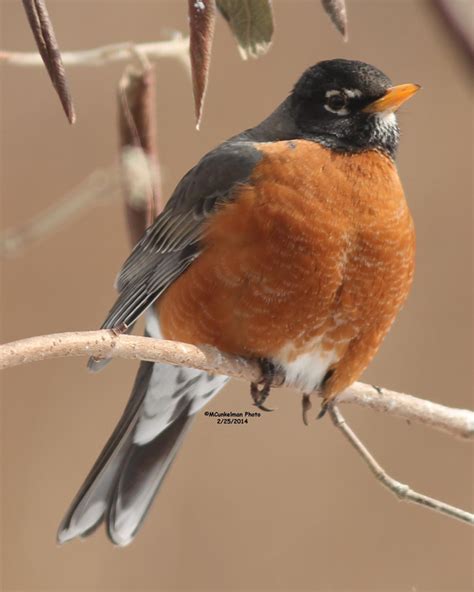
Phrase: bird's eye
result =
(336, 102)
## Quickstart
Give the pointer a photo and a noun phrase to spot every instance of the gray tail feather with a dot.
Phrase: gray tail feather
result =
(139, 480)
(126, 477)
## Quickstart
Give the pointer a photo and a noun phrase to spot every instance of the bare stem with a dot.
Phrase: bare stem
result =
(402, 491)
(97, 188)
(410, 408)
(105, 344)
(177, 47)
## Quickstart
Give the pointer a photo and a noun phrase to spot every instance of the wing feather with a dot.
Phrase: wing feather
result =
(172, 242)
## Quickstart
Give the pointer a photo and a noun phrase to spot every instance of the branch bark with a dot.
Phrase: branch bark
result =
(105, 344)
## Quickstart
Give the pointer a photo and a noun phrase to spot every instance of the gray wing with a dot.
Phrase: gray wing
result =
(172, 242)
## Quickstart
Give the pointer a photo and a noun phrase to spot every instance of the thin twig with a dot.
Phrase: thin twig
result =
(177, 47)
(97, 188)
(105, 344)
(402, 491)
(410, 408)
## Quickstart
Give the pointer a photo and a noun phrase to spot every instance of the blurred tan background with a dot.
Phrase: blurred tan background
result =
(271, 505)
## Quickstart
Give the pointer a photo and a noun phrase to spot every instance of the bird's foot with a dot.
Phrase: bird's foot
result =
(261, 390)
(325, 405)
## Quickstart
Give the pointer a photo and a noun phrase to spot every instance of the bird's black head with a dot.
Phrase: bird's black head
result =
(349, 106)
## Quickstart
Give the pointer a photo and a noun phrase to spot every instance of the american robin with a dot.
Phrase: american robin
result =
(290, 243)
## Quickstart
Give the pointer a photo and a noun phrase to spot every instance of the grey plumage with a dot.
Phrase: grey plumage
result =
(129, 471)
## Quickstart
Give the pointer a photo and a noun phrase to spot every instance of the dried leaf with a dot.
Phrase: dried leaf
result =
(43, 32)
(336, 9)
(456, 17)
(251, 22)
(139, 160)
(202, 16)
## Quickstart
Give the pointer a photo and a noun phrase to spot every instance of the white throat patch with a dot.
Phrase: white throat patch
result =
(385, 127)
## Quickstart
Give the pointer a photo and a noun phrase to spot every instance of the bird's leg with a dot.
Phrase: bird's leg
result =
(261, 390)
(306, 405)
(326, 398)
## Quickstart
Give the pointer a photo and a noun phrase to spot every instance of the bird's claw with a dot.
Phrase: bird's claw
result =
(325, 405)
(259, 395)
(260, 391)
(306, 407)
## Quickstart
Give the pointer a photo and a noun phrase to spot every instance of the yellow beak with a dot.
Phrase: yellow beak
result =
(393, 98)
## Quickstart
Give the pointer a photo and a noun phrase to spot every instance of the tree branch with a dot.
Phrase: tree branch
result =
(402, 491)
(178, 48)
(456, 422)
(105, 344)
(99, 187)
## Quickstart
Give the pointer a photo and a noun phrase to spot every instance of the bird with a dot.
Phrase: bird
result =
(291, 244)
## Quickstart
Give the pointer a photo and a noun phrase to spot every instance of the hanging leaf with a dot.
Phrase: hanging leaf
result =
(251, 22)
(456, 17)
(202, 16)
(43, 32)
(138, 152)
(336, 9)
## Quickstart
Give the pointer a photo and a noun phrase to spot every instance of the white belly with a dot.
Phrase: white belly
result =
(307, 370)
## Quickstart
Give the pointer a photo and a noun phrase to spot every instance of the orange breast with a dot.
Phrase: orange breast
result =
(317, 248)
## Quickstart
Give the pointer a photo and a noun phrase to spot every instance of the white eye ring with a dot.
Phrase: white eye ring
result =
(353, 92)
(336, 93)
